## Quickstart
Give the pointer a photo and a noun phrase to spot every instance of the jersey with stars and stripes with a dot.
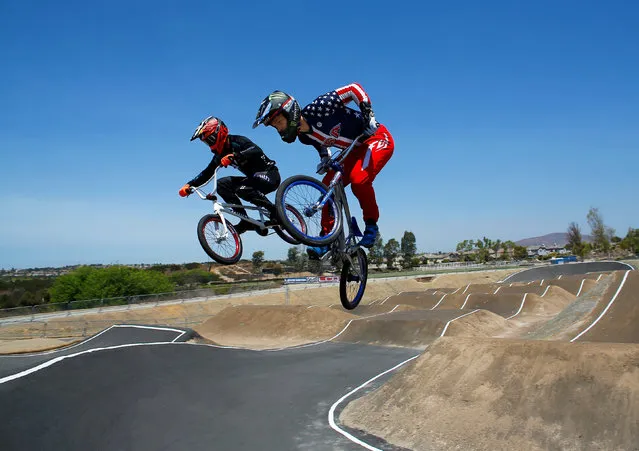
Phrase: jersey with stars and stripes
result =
(332, 123)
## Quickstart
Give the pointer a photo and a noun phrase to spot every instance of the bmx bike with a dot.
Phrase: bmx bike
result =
(316, 201)
(218, 236)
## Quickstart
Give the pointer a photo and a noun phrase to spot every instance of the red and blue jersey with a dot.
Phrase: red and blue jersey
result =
(332, 123)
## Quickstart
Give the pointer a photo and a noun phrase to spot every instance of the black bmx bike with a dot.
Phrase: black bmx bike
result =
(218, 236)
(323, 209)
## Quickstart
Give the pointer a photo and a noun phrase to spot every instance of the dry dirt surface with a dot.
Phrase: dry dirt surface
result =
(492, 394)
(563, 374)
(546, 365)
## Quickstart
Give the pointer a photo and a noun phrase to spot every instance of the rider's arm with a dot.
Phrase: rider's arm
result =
(207, 174)
(244, 149)
(353, 92)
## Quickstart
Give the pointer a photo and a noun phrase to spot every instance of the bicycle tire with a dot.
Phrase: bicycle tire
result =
(348, 276)
(313, 235)
(204, 236)
(283, 234)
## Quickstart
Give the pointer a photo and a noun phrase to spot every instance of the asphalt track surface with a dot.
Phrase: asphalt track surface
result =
(567, 269)
(171, 395)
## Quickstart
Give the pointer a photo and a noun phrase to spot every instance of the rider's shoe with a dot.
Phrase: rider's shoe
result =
(370, 234)
(244, 226)
(316, 253)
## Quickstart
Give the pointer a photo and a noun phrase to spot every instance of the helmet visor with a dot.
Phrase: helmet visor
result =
(262, 113)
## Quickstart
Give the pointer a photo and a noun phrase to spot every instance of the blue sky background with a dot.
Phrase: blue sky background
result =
(511, 118)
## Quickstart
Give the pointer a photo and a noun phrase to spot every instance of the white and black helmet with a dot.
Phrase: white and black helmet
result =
(279, 102)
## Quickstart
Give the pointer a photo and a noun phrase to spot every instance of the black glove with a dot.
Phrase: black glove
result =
(370, 123)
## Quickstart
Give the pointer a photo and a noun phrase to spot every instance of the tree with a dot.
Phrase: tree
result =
(600, 233)
(575, 243)
(297, 259)
(391, 251)
(258, 261)
(520, 252)
(631, 241)
(293, 253)
(508, 246)
(408, 249)
(376, 254)
(115, 281)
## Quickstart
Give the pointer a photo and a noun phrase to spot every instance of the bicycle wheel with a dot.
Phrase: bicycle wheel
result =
(302, 193)
(296, 218)
(352, 282)
(223, 247)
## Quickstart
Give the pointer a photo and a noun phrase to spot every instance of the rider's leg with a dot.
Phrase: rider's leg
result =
(379, 150)
(254, 189)
(227, 188)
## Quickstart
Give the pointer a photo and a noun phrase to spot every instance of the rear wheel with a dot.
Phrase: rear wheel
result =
(352, 282)
(224, 247)
(302, 193)
(295, 217)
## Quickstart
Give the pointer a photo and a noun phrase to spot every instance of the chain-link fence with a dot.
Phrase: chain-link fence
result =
(213, 291)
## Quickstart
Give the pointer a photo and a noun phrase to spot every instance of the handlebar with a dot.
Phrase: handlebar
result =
(202, 194)
(334, 161)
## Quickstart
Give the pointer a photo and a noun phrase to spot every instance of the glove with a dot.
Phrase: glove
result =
(370, 123)
(226, 160)
(185, 190)
(322, 166)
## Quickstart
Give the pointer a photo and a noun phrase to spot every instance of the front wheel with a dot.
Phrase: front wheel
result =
(322, 226)
(223, 246)
(352, 282)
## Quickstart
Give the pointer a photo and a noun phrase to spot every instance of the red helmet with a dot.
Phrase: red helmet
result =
(213, 132)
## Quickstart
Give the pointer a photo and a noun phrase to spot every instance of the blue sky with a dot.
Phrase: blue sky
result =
(511, 119)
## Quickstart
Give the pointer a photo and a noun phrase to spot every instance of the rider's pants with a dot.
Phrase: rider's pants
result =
(361, 167)
(251, 189)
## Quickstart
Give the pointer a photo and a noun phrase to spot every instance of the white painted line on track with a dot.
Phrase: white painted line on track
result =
(455, 319)
(388, 297)
(48, 363)
(559, 278)
(66, 348)
(315, 343)
(542, 282)
(331, 412)
(498, 288)
(520, 307)
(546, 291)
(456, 290)
(57, 350)
(464, 304)
(440, 301)
(623, 281)
(580, 287)
(514, 274)
(598, 277)
(463, 292)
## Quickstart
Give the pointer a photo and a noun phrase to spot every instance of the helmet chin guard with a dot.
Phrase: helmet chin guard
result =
(278, 102)
(213, 132)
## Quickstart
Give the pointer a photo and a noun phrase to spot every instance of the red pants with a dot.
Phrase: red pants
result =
(361, 167)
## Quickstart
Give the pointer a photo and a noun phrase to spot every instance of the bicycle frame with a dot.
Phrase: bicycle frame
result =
(220, 207)
(336, 188)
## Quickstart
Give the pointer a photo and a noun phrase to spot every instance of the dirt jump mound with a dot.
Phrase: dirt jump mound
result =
(259, 327)
(489, 394)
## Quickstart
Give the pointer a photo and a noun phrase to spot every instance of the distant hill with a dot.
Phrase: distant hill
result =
(551, 239)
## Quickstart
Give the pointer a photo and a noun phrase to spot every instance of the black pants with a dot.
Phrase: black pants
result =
(251, 189)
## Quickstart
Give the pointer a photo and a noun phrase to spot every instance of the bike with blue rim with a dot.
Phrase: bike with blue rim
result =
(323, 209)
